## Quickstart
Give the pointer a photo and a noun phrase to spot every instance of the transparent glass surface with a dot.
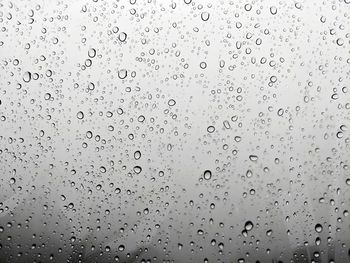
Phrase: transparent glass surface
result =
(174, 131)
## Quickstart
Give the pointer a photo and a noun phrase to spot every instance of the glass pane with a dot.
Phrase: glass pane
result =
(174, 131)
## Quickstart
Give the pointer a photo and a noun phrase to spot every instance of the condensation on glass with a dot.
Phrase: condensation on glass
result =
(174, 131)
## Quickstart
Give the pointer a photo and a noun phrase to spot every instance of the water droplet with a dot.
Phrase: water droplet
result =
(91, 86)
(203, 65)
(318, 228)
(339, 134)
(171, 102)
(280, 112)
(121, 248)
(340, 42)
(137, 155)
(103, 169)
(141, 118)
(122, 37)
(205, 16)
(248, 225)
(211, 129)
(47, 96)
(80, 115)
(227, 124)
(248, 7)
(207, 175)
(253, 158)
(122, 73)
(249, 173)
(200, 232)
(27, 76)
(92, 52)
(137, 169)
(273, 10)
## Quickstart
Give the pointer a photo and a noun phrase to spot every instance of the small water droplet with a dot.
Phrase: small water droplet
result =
(137, 169)
(205, 16)
(137, 155)
(80, 115)
(248, 225)
(273, 10)
(318, 228)
(211, 129)
(27, 76)
(92, 52)
(171, 102)
(121, 248)
(207, 175)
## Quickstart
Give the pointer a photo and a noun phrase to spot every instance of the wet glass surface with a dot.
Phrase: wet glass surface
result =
(174, 131)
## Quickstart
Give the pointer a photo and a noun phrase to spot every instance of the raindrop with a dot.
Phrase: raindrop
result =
(253, 158)
(171, 102)
(202, 65)
(248, 225)
(80, 115)
(122, 73)
(249, 173)
(340, 42)
(137, 155)
(318, 228)
(121, 248)
(248, 7)
(92, 52)
(137, 169)
(211, 129)
(227, 124)
(273, 10)
(205, 16)
(27, 76)
(122, 36)
(207, 175)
